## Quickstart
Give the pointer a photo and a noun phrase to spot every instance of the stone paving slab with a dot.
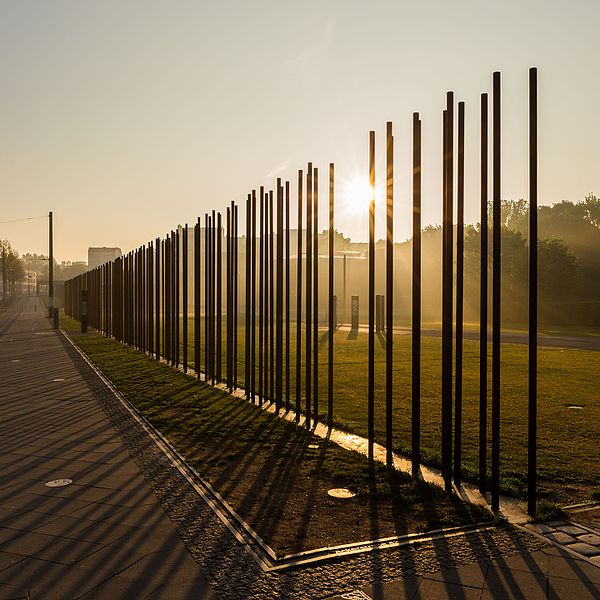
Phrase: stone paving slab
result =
(62, 542)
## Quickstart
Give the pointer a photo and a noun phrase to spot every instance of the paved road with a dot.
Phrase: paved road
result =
(103, 536)
(583, 342)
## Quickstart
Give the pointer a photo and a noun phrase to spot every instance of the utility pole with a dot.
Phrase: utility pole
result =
(50, 266)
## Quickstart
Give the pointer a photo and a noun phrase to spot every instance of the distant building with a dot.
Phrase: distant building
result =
(99, 256)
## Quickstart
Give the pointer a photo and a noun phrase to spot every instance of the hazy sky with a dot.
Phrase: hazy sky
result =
(128, 117)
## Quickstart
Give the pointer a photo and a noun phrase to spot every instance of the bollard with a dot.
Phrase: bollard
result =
(354, 313)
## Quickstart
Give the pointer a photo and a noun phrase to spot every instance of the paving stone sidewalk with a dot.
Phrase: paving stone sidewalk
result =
(105, 535)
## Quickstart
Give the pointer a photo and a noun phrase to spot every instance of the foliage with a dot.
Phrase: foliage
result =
(11, 269)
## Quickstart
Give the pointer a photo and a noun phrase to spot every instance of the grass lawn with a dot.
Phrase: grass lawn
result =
(263, 465)
(568, 439)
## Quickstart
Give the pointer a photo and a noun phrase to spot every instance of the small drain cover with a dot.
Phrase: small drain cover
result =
(341, 493)
(58, 379)
(16, 360)
(314, 446)
(58, 482)
(575, 407)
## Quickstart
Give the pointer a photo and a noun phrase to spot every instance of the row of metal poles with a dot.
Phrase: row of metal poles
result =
(136, 298)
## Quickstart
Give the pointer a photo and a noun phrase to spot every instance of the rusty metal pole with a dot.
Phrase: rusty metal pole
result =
(389, 293)
(371, 342)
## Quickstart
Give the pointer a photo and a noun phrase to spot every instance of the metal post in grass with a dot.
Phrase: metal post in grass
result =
(261, 293)
(389, 291)
(206, 296)
(371, 342)
(496, 292)
(416, 300)
(483, 298)
(213, 298)
(271, 298)
(287, 296)
(247, 304)
(185, 296)
(167, 299)
(299, 300)
(279, 302)
(533, 298)
(265, 291)
(177, 293)
(447, 277)
(308, 307)
(151, 260)
(235, 294)
(253, 299)
(460, 261)
(197, 296)
(330, 309)
(315, 202)
(219, 299)
(228, 299)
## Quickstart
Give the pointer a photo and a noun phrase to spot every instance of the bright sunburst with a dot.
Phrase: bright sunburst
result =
(356, 195)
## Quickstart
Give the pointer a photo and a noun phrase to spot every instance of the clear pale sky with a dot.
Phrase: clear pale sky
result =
(128, 117)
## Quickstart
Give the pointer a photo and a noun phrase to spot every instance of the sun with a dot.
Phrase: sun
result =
(356, 195)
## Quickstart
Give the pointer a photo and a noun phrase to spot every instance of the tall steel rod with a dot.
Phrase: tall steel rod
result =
(261, 293)
(308, 307)
(299, 300)
(496, 293)
(206, 296)
(247, 286)
(447, 278)
(330, 310)
(177, 293)
(219, 300)
(389, 291)
(197, 296)
(151, 260)
(287, 296)
(235, 294)
(279, 302)
(416, 300)
(266, 299)
(460, 261)
(533, 297)
(271, 299)
(185, 297)
(253, 300)
(483, 298)
(315, 201)
(371, 343)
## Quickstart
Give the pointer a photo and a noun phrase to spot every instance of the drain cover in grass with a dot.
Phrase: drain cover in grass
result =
(343, 493)
(575, 407)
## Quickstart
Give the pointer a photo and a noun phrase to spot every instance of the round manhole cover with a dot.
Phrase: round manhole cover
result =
(343, 493)
(575, 407)
(58, 483)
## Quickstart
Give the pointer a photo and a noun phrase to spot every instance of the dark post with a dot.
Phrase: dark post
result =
(185, 297)
(197, 298)
(447, 277)
(253, 300)
(483, 299)
(315, 201)
(84, 311)
(150, 268)
(496, 291)
(235, 295)
(533, 296)
(460, 244)
(389, 292)
(177, 292)
(330, 311)
(50, 265)
(308, 308)
(287, 296)
(247, 307)
(279, 301)
(299, 300)
(261, 293)
(228, 298)
(416, 299)
(219, 290)
(271, 300)
(371, 377)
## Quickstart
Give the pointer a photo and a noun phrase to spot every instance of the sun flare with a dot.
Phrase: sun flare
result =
(356, 194)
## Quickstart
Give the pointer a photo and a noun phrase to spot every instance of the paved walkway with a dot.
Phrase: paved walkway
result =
(103, 536)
